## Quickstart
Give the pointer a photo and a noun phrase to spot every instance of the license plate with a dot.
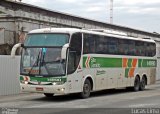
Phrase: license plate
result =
(39, 89)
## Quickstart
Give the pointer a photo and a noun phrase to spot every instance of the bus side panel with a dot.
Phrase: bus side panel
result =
(150, 73)
(89, 72)
(152, 76)
(75, 79)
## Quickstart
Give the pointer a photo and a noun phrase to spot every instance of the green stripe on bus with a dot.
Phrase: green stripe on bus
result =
(101, 62)
(129, 62)
(140, 62)
(149, 63)
(126, 72)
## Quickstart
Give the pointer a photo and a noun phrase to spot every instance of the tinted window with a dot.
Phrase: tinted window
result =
(89, 43)
(76, 42)
(112, 46)
(101, 45)
(131, 47)
(123, 47)
(116, 46)
(46, 39)
(139, 48)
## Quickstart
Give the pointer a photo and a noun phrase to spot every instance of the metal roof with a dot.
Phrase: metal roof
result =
(21, 4)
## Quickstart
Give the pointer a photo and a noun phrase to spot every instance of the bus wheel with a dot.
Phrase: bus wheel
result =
(136, 84)
(86, 89)
(48, 94)
(142, 83)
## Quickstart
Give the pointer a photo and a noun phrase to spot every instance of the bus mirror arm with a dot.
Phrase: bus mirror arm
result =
(64, 51)
(14, 49)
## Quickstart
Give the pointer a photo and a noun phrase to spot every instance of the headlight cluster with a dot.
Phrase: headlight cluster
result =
(58, 83)
(24, 82)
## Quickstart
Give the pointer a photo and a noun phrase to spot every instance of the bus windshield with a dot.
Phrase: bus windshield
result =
(41, 55)
(45, 39)
(42, 62)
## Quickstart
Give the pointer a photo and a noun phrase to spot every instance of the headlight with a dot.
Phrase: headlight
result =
(58, 83)
(24, 82)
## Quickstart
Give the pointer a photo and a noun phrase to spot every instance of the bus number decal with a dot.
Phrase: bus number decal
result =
(151, 63)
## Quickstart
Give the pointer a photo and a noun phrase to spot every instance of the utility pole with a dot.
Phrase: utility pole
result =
(111, 11)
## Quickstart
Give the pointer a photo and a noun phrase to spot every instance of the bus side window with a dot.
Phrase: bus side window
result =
(147, 48)
(101, 45)
(113, 46)
(153, 49)
(86, 47)
(121, 47)
(140, 50)
(131, 48)
(89, 44)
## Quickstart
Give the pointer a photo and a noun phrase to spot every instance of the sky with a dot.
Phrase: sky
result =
(138, 14)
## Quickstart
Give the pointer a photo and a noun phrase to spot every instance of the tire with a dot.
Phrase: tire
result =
(86, 89)
(48, 94)
(136, 86)
(142, 84)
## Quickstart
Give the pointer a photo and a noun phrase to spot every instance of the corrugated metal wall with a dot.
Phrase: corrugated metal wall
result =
(9, 75)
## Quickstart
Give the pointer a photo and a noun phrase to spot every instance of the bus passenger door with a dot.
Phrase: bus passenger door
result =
(75, 81)
(74, 70)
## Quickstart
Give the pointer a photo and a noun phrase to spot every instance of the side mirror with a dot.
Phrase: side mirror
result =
(64, 51)
(15, 47)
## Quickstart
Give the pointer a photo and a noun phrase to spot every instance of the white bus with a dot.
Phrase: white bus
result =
(70, 60)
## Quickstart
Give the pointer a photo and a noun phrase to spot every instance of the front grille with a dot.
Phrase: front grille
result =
(39, 84)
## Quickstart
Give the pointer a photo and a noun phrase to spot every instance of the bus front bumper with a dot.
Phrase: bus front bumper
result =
(54, 89)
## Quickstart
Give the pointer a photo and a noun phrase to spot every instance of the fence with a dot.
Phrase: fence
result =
(9, 75)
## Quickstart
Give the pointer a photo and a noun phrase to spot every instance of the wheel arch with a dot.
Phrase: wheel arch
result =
(145, 76)
(137, 75)
(89, 77)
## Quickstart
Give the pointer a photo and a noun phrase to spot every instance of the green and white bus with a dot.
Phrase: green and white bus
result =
(70, 60)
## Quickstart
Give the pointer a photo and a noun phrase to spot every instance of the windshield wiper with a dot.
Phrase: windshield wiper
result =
(35, 63)
(56, 61)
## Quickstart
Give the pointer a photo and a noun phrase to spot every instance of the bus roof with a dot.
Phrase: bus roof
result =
(91, 31)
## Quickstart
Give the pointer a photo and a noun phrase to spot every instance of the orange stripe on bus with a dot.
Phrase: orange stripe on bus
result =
(131, 71)
(134, 62)
(125, 62)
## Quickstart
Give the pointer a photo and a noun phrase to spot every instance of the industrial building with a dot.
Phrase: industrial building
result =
(17, 18)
